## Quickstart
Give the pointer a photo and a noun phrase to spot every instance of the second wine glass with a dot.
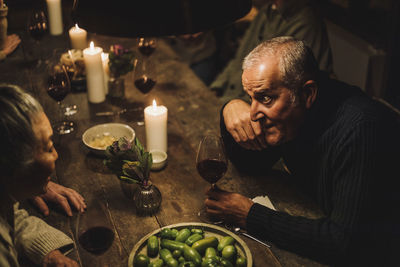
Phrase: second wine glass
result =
(211, 163)
(58, 87)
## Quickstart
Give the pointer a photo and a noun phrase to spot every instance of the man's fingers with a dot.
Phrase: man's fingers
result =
(76, 200)
(42, 206)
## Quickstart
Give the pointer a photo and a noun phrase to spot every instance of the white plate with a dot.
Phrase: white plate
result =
(116, 130)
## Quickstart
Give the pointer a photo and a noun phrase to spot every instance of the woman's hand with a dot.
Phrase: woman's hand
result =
(62, 196)
(56, 259)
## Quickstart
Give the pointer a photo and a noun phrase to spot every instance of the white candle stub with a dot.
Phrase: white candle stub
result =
(106, 69)
(78, 37)
(94, 74)
(159, 159)
(155, 119)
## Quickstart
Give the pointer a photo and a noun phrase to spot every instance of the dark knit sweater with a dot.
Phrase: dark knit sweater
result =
(346, 158)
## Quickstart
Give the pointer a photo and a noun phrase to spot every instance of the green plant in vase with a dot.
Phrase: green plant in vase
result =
(132, 164)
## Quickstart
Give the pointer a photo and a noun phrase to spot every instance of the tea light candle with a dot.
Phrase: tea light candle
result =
(78, 37)
(94, 73)
(105, 60)
(155, 119)
(55, 16)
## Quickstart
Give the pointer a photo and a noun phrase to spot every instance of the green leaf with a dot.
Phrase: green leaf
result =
(128, 180)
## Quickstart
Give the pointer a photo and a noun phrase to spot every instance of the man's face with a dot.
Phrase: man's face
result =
(271, 103)
(35, 181)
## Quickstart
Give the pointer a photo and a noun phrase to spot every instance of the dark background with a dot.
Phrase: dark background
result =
(375, 21)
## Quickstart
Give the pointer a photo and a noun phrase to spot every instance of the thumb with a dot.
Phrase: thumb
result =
(41, 205)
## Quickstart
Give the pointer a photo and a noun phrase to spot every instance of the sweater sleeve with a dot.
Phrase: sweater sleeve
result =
(35, 238)
(355, 228)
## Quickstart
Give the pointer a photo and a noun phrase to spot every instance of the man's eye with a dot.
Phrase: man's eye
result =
(266, 99)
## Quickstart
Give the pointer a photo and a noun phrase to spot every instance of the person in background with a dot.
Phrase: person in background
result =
(10, 45)
(297, 18)
(27, 158)
(339, 145)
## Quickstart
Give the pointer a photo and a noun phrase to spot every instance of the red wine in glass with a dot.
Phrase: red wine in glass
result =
(211, 163)
(58, 87)
(144, 84)
(96, 240)
(37, 25)
(146, 46)
(212, 169)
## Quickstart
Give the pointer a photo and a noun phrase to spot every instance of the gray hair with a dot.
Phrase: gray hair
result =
(17, 139)
(297, 63)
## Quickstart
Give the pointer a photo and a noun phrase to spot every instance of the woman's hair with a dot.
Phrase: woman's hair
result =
(297, 63)
(17, 139)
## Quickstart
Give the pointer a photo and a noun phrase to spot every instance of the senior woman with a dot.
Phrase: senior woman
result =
(27, 158)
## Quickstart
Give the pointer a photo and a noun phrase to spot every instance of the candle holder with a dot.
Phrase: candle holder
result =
(3, 25)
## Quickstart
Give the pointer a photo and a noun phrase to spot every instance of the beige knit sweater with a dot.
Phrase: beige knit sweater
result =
(30, 236)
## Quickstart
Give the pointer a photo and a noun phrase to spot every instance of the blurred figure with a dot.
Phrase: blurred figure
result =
(10, 45)
(296, 18)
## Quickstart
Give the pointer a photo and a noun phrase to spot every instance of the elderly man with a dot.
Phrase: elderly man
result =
(27, 158)
(340, 146)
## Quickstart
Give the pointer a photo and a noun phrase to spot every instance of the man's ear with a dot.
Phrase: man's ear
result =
(310, 90)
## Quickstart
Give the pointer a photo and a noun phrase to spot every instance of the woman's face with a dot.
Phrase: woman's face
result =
(35, 181)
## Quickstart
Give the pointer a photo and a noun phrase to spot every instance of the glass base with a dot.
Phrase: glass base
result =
(70, 110)
(208, 218)
(64, 127)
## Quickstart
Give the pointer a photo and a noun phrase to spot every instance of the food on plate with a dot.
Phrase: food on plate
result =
(102, 141)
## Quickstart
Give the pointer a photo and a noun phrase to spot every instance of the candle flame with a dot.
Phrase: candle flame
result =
(154, 104)
(76, 26)
(91, 45)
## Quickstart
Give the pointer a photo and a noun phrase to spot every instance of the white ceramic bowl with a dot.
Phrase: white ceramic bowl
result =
(159, 159)
(98, 137)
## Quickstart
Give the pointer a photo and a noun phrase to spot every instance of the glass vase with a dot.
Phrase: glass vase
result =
(116, 87)
(147, 199)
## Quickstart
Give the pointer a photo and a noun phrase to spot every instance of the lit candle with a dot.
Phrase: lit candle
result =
(155, 119)
(104, 59)
(94, 74)
(77, 37)
(55, 16)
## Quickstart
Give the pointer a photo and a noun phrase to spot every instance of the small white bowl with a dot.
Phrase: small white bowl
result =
(101, 131)
(159, 159)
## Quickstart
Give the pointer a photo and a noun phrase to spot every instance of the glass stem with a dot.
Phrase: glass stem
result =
(60, 112)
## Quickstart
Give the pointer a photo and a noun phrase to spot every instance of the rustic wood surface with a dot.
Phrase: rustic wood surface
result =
(192, 111)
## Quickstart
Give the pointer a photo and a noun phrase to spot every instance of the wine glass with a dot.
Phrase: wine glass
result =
(211, 163)
(94, 231)
(58, 87)
(37, 27)
(145, 70)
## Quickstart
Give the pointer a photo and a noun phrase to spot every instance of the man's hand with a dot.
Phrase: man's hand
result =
(62, 196)
(244, 131)
(56, 259)
(231, 207)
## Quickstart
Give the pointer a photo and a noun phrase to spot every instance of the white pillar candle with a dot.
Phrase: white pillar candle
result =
(55, 16)
(105, 60)
(94, 74)
(78, 37)
(155, 120)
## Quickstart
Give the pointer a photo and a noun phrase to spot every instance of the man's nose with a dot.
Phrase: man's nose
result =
(255, 113)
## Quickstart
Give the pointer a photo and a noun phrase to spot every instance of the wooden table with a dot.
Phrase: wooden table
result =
(192, 111)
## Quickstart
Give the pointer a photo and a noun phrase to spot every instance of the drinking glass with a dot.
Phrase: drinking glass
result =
(58, 87)
(94, 232)
(37, 28)
(145, 70)
(211, 163)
